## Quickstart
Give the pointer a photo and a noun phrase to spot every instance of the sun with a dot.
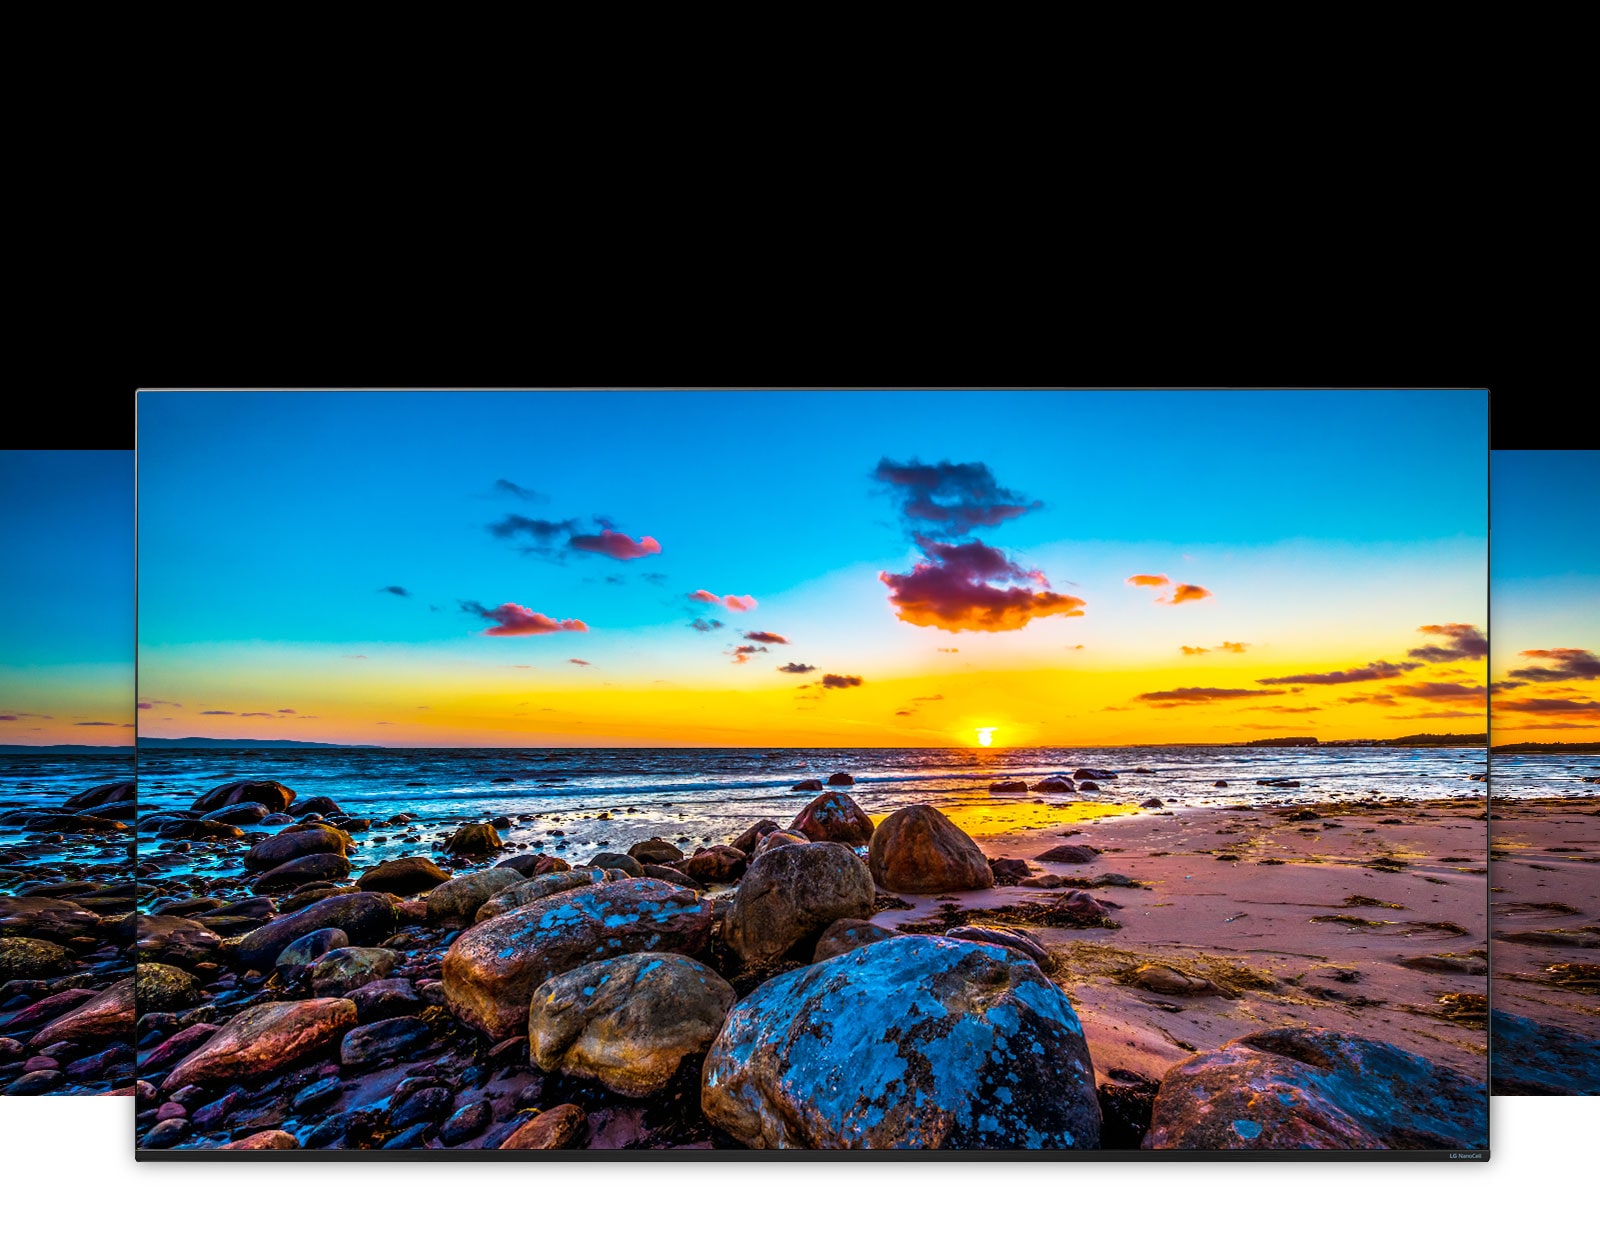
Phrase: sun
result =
(986, 736)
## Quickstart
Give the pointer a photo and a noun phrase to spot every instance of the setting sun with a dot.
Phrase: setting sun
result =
(986, 736)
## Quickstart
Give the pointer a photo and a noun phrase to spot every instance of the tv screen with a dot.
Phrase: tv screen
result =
(1029, 772)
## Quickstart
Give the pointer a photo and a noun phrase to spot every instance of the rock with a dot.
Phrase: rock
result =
(249, 814)
(835, 818)
(31, 958)
(327, 806)
(1070, 854)
(849, 933)
(627, 1022)
(39, 917)
(919, 849)
(1531, 1058)
(386, 997)
(491, 970)
(426, 1106)
(1088, 786)
(162, 988)
(200, 830)
(318, 1095)
(466, 1123)
(403, 876)
(307, 950)
(656, 851)
(1008, 871)
(913, 1042)
(531, 889)
(1446, 964)
(320, 867)
(1011, 937)
(1298, 1087)
(559, 1127)
(364, 916)
(1054, 783)
(105, 793)
(169, 1051)
(264, 1039)
(841, 779)
(777, 839)
(746, 842)
(166, 1134)
(1008, 787)
(272, 796)
(1278, 782)
(667, 874)
(1221, 782)
(262, 1140)
(473, 839)
(617, 861)
(184, 941)
(1094, 773)
(1151, 803)
(294, 842)
(1165, 980)
(341, 971)
(34, 1082)
(790, 895)
(386, 1040)
(459, 900)
(107, 1017)
(530, 864)
(722, 863)
(807, 784)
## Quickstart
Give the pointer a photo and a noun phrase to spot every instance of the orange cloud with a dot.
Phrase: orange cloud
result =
(1570, 663)
(1183, 593)
(1465, 643)
(734, 604)
(965, 587)
(1148, 580)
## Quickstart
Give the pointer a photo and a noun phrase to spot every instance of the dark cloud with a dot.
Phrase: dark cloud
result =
(1367, 673)
(94, 723)
(705, 624)
(1445, 693)
(839, 681)
(1433, 716)
(972, 586)
(513, 619)
(18, 717)
(522, 493)
(947, 500)
(1375, 699)
(924, 699)
(218, 713)
(1201, 695)
(394, 591)
(150, 704)
(1183, 593)
(764, 636)
(614, 544)
(1580, 708)
(1506, 686)
(794, 667)
(258, 715)
(291, 710)
(903, 712)
(744, 652)
(576, 661)
(540, 532)
(1463, 643)
(1569, 664)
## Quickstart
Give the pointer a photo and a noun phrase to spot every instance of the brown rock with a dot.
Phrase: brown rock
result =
(834, 818)
(919, 849)
(107, 1017)
(263, 1040)
(277, 1140)
(559, 1127)
(793, 893)
(849, 933)
(722, 863)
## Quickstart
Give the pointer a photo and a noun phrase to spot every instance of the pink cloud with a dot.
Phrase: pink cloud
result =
(576, 661)
(735, 604)
(513, 619)
(615, 544)
(971, 586)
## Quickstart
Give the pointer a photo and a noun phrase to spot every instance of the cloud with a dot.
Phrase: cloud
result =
(745, 651)
(1465, 643)
(150, 704)
(1554, 726)
(948, 499)
(1433, 716)
(286, 710)
(1148, 580)
(903, 712)
(258, 715)
(654, 577)
(394, 590)
(94, 723)
(965, 587)
(705, 624)
(1188, 651)
(1580, 708)
(576, 661)
(839, 681)
(513, 619)
(764, 636)
(217, 713)
(615, 544)
(1505, 686)
(1183, 593)
(1374, 699)
(1280, 708)
(794, 667)
(1074, 647)
(958, 649)
(1448, 693)
(522, 493)
(1200, 695)
(924, 699)
(17, 717)
(540, 532)
(734, 604)
(1233, 647)
(1570, 663)
(1366, 673)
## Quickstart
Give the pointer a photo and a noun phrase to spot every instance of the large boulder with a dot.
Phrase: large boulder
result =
(1531, 1058)
(339, 972)
(849, 933)
(627, 1022)
(473, 839)
(273, 796)
(531, 889)
(1013, 786)
(834, 817)
(40, 917)
(1069, 854)
(162, 988)
(721, 863)
(263, 1040)
(295, 842)
(460, 899)
(365, 916)
(1298, 1087)
(105, 793)
(31, 958)
(319, 867)
(403, 876)
(914, 1042)
(656, 851)
(746, 842)
(790, 895)
(247, 814)
(183, 941)
(491, 970)
(1054, 783)
(327, 806)
(106, 1018)
(919, 849)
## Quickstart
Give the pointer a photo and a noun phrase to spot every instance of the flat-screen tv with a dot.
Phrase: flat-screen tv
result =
(1032, 772)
